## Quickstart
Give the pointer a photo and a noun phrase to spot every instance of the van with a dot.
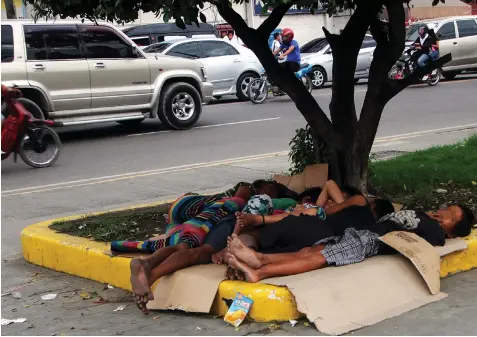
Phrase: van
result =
(457, 36)
(145, 35)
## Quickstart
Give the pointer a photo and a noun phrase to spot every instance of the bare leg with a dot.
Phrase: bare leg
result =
(309, 260)
(180, 260)
(141, 270)
(218, 258)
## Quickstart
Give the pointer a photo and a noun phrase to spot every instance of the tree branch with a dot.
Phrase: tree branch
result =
(274, 19)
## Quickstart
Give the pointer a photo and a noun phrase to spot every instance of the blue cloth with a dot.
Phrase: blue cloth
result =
(295, 55)
(422, 60)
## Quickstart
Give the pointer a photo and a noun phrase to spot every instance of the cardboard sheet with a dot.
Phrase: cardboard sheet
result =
(339, 300)
(313, 176)
(192, 289)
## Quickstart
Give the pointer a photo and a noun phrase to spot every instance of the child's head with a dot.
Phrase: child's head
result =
(310, 195)
(456, 220)
(276, 36)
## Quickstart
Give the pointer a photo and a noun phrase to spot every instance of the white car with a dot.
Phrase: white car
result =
(317, 53)
(229, 67)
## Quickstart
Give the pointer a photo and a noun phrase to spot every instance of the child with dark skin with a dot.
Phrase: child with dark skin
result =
(454, 221)
(166, 260)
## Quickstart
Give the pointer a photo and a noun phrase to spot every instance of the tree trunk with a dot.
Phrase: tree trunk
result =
(10, 9)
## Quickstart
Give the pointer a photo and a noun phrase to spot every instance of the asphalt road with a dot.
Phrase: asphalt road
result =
(109, 166)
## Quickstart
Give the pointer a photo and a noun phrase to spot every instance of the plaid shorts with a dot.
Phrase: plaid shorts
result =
(353, 247)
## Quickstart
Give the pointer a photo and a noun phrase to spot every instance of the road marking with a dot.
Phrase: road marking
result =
(420, 133)
(208, 126)
(132, 175)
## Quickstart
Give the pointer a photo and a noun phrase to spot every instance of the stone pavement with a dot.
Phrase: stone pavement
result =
(70, 314)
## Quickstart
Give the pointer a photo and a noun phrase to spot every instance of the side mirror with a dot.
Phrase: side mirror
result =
(132, 51)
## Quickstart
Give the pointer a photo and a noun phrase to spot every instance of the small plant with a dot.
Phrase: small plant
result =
(302, 150)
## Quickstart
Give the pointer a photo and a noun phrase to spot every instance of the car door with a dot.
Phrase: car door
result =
(56, 64)
(188, 50)
(448, 42)
(466, 52)
(365, 56)
(222, 62)
(120, 76)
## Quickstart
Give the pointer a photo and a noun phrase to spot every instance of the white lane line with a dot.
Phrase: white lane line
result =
(131, 175)
(209, 126)
(419, 133)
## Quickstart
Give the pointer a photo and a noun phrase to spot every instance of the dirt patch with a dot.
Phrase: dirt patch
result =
(137, 224)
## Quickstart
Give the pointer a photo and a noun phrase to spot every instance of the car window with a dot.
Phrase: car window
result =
(104, 43)
(7, 43)
(141, 41)
(467, 28)
(157, 48)
(368, 42)
(217, 48)
(187, 50)
(53, 42)
(447, 31)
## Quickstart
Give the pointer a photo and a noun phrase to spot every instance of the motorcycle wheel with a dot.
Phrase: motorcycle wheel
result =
(308, 83)
(46, 150)
(258, 91)
(433, 80)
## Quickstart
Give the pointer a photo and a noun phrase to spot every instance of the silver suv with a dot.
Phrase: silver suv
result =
(457, 36)
(80, 73)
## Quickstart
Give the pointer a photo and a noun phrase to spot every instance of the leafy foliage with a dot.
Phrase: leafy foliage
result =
(182, 11)
(302, 150)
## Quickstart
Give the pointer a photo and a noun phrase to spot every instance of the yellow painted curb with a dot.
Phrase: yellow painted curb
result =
(85, 258)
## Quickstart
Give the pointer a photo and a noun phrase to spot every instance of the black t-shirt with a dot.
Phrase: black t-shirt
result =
(416, 222)
(296, 232)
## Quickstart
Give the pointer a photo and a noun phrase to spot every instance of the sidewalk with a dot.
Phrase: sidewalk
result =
(69, 315)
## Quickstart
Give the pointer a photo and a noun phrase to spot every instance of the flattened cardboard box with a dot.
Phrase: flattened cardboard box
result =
(314, 175)
(337, 300)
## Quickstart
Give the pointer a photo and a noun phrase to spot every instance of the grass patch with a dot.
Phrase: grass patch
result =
(426, 178)
(125, 225)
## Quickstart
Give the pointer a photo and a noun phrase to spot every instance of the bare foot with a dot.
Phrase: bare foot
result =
(244, 253)
(245, 221)
(218, 258)
(251, 275)
(140, 284)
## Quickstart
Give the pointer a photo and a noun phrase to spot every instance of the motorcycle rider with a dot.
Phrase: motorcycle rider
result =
(426, 48)
(289, 50)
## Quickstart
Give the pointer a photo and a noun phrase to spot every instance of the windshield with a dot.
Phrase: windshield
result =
(157, 48)
(314, 46)
(412, 32)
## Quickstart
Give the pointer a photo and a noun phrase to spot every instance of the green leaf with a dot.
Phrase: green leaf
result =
(167, 16)
(203, 18)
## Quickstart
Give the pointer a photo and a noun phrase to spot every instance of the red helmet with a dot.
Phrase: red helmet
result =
(288, 34)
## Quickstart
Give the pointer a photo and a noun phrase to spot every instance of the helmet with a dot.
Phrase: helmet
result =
(288, 34)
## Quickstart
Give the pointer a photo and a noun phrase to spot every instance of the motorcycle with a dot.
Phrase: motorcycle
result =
(403, 69)
(32, 139)
(259, 88)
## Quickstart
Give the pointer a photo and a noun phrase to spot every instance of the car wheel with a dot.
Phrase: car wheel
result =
(180, 106)
(318, 77)
(131, 122)
(450, 75)
(31, 106)
(242, 85)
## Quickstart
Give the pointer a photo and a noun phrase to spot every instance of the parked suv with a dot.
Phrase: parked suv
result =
(457, 36)
(80, 73)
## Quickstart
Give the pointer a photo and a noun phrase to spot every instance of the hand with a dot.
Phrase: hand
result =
(281, 57)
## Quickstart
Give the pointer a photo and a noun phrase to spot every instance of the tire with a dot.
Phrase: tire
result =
(308, 83)
(318, 77)
(51, 141)
(31, 106)
(171, 114)
(450, 75)
(253, 89)
(243, 84)
(131, 122)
